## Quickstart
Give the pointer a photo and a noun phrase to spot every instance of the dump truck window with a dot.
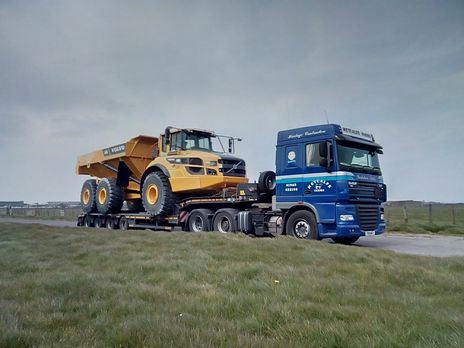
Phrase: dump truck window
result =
(176, 141)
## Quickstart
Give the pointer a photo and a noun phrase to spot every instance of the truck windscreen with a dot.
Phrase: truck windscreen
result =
(358, 158)
(202, 141)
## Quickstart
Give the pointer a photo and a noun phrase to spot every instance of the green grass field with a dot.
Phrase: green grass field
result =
(418, 219)
(98, 288)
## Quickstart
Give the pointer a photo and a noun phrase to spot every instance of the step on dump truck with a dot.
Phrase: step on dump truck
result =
(327, 184)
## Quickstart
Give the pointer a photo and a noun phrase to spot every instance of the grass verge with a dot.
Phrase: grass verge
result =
(87, 287)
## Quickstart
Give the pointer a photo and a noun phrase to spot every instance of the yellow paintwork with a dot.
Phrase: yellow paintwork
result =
(152, 194)
(182, 181)
(102, 196)
(86, 196)
(142, 152)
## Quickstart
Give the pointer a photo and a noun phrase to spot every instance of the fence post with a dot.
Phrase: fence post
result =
(430, 213)
(405, 214)
(454, 215)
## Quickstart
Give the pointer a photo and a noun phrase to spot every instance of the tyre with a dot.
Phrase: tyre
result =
(225, 220)
(302, 224)
(199, 221)
(345, 240)
(100, 222)
(110, 196)
(135, 206)
(88, 221)
(157, 196)
(123, 223)
(267, 182)
(112, 223)
(88, 196)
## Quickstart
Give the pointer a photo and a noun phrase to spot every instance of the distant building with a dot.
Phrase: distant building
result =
(12, 204)
(63, 204)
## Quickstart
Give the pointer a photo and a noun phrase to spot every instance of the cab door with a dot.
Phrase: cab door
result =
(320, 185)
(289, 169)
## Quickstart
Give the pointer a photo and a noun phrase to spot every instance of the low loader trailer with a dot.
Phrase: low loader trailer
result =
(327, 184)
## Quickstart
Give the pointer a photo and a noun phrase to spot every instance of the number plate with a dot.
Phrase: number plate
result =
(369, 233)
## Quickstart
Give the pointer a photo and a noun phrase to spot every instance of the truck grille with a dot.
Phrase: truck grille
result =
(232, 167)
(368, 217)
(368, 191)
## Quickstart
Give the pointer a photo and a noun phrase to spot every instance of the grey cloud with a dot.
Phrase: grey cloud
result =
(76, 76)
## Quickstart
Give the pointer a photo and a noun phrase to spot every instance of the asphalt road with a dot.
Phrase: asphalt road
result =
(417, 244)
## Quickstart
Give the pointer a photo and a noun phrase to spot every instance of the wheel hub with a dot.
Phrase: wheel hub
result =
(224, 225)
(152, 194)
(198, 224)
(302, 229)
(86, 197)
(102, 196)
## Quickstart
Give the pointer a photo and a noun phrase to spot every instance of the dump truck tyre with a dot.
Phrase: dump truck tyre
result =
(88, 196)
(109, 197)
(157, 195)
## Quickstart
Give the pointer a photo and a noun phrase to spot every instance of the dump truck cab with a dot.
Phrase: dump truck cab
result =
(199, 161)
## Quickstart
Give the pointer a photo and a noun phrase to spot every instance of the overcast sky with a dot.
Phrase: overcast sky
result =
(76, 76)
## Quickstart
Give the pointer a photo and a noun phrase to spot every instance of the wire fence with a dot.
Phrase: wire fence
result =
(42, 212)
(432, 213)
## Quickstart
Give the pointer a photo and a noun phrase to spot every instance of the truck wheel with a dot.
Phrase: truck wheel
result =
(88, 221)
(345, 240)
(267, 182)
(225, 220)
(100, 222)
(123, 223)
(199, 220)
(88, 196)
(112, 223)
(135, 206)
(110, 196)
(157, 196)
(302, 224)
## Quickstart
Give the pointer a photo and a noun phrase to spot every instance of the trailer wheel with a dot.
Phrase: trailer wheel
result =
(100, 222)
(157, 196)
(88, 221)
(109, 197)
(302, 224)
(112, 223)
(123, 223)
(135, 206)
(88, 196)
(267, 182)
(198, 220)
(345, 240)
(225, 220)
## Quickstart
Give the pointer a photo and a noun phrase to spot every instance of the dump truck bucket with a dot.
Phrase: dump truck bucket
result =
(136, 154)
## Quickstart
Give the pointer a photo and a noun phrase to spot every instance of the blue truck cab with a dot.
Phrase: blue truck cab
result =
(329, 183)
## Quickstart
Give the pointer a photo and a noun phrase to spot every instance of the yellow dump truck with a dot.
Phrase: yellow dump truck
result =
(152, 174)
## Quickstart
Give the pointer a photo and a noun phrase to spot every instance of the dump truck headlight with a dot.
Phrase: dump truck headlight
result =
(346, 217)
(211, 172)
(212, 163)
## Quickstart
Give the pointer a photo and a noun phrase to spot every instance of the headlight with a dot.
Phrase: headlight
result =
(382, 217)
(346, 217)
(212, 163)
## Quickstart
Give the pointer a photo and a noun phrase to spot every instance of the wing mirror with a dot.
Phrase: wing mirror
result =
(325, 161)
(167, 134)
